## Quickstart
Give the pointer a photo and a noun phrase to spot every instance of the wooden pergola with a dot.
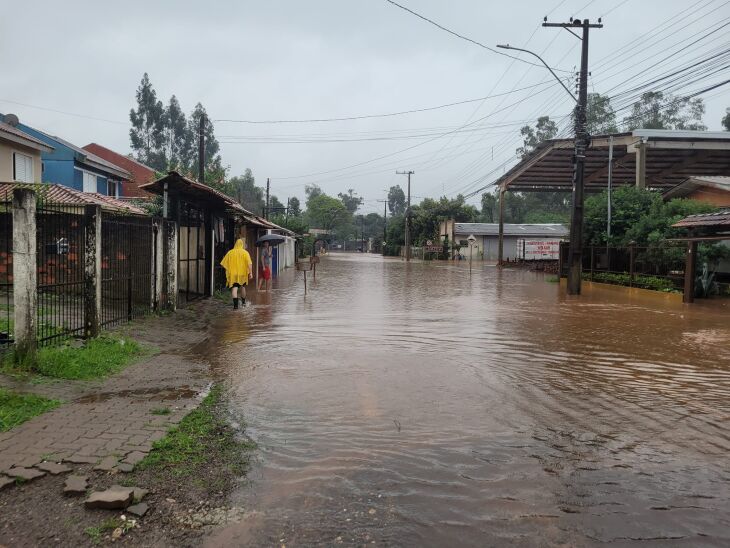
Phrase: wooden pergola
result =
(646, 158)
(704, 227)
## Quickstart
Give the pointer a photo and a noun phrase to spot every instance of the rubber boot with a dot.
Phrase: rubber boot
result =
(243, 301)
(235, 304)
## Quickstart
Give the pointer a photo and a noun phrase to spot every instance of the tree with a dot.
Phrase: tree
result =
(177, 137)
(396, 200)
(726, 120)
(148, 124)
(327, 213)
(350, 200)
(489, 207)
(655, 111)
(312, 191)
(544, 129)
(428, 215)
(243, 188)
(275, 205)
(213, 162)
(294, 207)
(600, 116)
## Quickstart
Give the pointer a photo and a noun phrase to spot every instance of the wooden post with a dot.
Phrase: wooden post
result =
(631, 264)
(690, 272)
(592, 260)
(92, 271)
(171, 263)
(25, 281)
(500, 252)
(640, 165)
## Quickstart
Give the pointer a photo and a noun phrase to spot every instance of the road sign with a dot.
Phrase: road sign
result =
(429, 243)
(433, 249)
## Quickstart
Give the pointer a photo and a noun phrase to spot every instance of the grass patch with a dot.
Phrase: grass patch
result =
(106, 526)
(98, 357)
(552, 279)
(161, 411)
(15, 408)
(201, 436)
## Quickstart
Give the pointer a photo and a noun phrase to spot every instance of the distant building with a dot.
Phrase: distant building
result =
(708, 189)
(20, 154)
(487, 237)
(68, 165)
(141, 174)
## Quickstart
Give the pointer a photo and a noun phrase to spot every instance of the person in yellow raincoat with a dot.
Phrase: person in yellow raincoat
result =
(238, 265)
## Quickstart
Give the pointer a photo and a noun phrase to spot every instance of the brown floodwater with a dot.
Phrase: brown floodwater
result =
(412, 404)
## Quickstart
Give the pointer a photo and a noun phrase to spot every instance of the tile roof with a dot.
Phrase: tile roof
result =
(719, 218)
(513, 229)
(63, 195)
(19, 135)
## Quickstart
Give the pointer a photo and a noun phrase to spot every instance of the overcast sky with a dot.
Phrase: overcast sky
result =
(291, 59)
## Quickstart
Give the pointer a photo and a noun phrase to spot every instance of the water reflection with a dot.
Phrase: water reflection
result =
(413, 404)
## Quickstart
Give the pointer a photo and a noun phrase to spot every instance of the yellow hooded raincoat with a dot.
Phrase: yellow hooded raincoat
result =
(237, 263)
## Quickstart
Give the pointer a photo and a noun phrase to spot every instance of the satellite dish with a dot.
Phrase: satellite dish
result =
(12, 120)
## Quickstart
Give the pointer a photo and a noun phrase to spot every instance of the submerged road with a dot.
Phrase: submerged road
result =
(413, 405)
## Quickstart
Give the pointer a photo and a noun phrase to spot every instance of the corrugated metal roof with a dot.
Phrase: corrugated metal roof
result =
(59, 194)
(717, 219)
(22, 136)
(544, 230)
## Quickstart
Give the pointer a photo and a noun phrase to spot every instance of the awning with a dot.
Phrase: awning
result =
(670, 158)
(193, 191)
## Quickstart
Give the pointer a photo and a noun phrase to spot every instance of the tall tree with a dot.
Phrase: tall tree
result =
(350, 200)
(213, 162)
(148, 124)
(295, 208)
(489, 207)
(726, 120)
(177, 135)
(311, 192)
(243, 188)
(544, 129)
(327, 213)
(600, 116)
(656, 111)
(396, 200)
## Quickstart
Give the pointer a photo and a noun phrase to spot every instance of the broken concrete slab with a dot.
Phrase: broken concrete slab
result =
(124, 467)
(53, 468)
(138, 510)
(75, 486)
(134, 457)
(81, 459)
(6, 482)
(107, 464)
(110, 499)
(140, 494)
(25, 474)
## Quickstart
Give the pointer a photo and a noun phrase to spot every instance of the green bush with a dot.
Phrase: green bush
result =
(646, 282)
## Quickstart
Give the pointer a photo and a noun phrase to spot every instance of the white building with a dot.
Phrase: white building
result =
(487, 237)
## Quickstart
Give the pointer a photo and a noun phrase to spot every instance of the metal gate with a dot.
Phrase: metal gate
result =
(192, 248)
(127, 268)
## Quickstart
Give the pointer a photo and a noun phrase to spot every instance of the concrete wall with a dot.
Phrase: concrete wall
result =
(6, 160)
(487, 247)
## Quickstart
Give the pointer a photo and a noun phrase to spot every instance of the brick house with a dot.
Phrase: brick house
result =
(141, 174)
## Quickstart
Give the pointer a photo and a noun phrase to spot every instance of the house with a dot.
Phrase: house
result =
(20, 153)
(487, 237)
(141, 174)
(708, 189)
(71, 166)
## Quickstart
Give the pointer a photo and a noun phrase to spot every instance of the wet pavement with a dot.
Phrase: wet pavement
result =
(414, 405)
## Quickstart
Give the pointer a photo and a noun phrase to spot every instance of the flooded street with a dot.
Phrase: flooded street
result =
(413, 405)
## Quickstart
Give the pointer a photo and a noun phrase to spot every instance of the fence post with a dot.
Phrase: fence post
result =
(92, 270)
(690, 272)
(158, 266)
(171, 263)
(632, 245)
(25, 274)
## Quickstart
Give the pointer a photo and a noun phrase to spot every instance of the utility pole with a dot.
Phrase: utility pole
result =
(408, 214)
(201, 150)
(575, 249)
(362, 234)
(286, 215)
(268, 187)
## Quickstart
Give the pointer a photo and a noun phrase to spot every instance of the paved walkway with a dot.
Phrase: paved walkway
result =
(112, 420)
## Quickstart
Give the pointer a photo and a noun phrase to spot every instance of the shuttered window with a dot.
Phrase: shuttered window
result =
(89, 182)
(22, 167)
(111, 188)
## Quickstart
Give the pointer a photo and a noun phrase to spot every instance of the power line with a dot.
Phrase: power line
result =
(64, 112)
(475, 42)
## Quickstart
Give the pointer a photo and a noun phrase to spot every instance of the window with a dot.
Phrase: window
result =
(89, 182)
(22, 167)
(111, 188)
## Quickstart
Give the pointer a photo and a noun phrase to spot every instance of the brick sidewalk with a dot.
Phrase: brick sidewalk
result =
(112, 420)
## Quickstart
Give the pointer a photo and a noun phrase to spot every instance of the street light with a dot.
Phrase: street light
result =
(507, 46)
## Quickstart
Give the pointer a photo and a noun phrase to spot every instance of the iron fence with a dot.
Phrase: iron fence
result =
(60, 263)
(127, 268)
(192, 248)
(6, 270)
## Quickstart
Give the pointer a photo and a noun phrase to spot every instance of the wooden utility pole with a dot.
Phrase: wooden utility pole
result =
(408, 214)
(575, 249)
(201, 150)
(268, 188)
